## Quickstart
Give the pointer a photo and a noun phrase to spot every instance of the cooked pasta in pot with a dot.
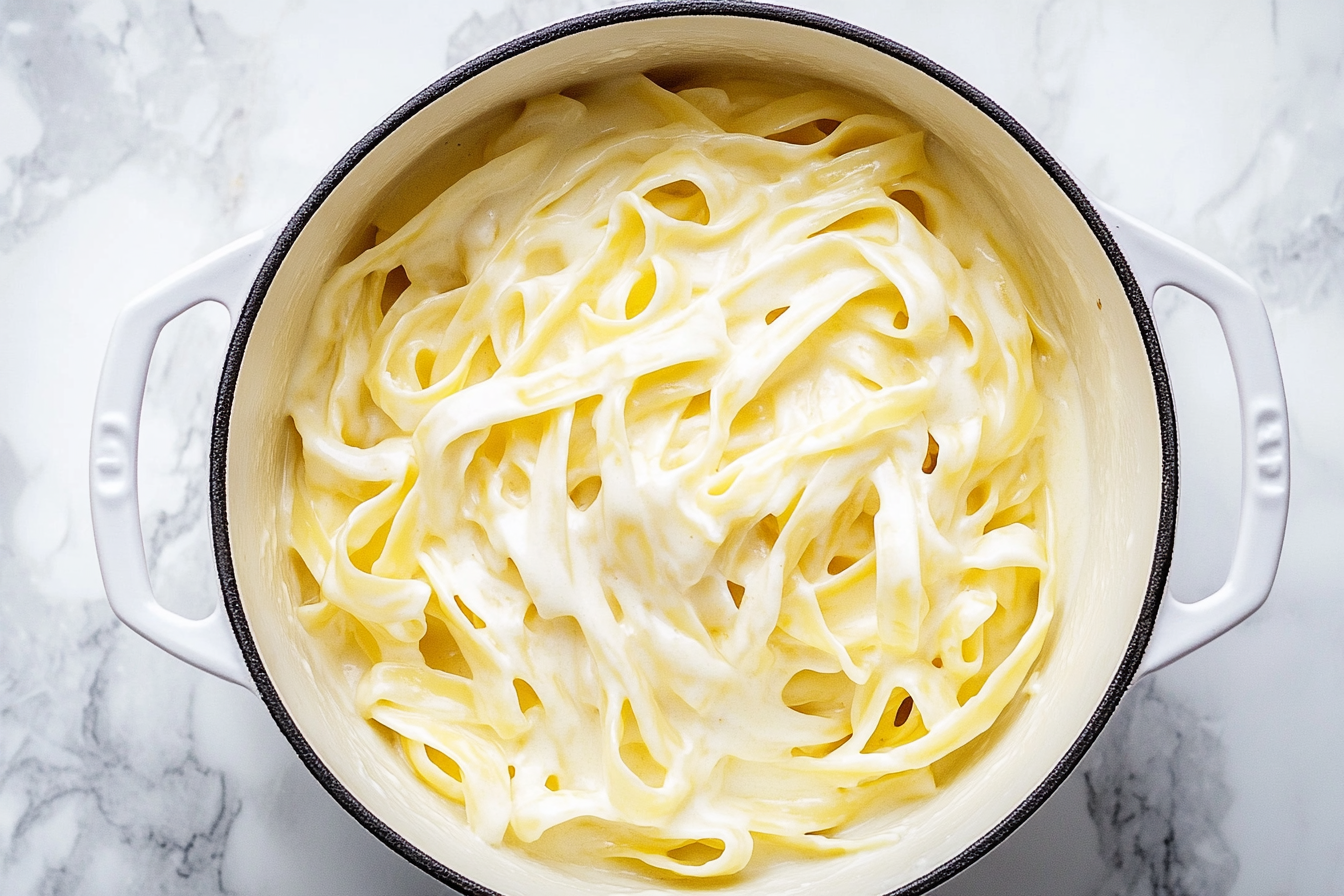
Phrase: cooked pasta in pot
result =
(681, 473)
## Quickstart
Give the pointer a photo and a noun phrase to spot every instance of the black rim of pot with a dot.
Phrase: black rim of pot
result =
(656, 10)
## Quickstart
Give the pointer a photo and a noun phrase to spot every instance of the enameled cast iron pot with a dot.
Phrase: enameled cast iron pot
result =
(1095, 267)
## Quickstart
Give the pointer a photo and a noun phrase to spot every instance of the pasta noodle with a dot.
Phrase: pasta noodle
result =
(680, 474)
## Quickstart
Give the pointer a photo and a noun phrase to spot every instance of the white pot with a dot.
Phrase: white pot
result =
(1108, 629)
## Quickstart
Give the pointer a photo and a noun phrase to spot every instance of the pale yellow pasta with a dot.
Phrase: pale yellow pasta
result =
(680, 472)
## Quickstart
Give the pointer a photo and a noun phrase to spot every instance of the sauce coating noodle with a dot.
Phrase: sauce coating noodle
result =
(679, 473)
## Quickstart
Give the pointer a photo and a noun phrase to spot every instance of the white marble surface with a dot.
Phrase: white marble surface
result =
(137, 135)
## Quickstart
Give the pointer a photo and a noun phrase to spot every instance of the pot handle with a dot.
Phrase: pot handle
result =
(224, 277)
(1157, 260)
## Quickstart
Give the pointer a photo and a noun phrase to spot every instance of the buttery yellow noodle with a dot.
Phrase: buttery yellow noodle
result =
(680, 471)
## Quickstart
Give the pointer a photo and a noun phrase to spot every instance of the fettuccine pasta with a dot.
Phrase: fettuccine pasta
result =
(680, 474)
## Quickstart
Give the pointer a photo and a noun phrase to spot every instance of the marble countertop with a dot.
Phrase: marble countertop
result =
(136, 136)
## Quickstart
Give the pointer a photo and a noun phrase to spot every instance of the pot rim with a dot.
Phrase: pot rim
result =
(1163, 547)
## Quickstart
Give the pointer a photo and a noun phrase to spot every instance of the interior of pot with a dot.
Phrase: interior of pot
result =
(1108, 478)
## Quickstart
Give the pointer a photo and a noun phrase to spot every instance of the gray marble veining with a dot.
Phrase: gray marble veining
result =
(86, 804)
(1157, 793)
(166, 84)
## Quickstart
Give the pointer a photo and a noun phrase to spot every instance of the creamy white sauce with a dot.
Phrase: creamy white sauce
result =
(680, 472)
